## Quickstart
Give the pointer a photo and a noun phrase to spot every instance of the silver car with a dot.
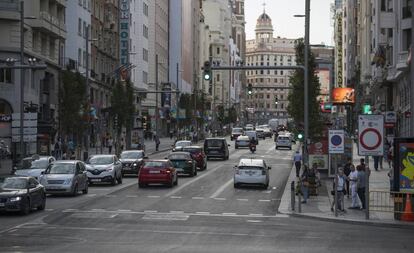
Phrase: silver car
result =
(104, 168)
(65, 177)
(179, 145)
(283, 141)
(242, 141)
(37, 166)
(251, 171)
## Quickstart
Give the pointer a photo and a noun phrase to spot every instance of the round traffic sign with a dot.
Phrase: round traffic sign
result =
(370, 138)
(336, 140)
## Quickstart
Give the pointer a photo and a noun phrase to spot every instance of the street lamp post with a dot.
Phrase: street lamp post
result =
(156, 95)
(22, 78)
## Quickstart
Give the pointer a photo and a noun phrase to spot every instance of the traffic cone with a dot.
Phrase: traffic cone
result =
(408, 214)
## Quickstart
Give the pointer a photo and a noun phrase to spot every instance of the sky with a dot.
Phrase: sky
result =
(285, 25)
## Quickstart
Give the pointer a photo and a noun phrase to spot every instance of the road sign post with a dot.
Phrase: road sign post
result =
(371, 135)
(336, 142)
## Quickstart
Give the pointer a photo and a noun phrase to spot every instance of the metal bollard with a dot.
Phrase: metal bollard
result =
(292, 195)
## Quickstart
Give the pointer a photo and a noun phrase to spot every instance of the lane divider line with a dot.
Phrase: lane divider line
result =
(221, 189)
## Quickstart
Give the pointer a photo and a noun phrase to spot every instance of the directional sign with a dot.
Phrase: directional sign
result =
(371, 135)
(336, 141)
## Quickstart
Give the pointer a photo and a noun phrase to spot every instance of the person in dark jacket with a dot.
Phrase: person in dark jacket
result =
(347, 171)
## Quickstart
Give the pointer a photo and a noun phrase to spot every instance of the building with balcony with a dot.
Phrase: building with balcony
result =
(269, 98)
(44, 39)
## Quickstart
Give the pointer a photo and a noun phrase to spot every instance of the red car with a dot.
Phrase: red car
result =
(157, 172)
(198, 155)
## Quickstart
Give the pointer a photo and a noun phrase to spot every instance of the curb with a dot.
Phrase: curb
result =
(354, 222)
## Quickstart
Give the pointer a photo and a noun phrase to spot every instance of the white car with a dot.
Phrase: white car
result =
(104, 168)
(251, 171)
(283, 141)
(242, 141)
(179, 145)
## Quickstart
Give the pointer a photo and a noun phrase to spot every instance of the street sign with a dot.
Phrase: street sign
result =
(390, 117)
(371, 135)
(336, 141)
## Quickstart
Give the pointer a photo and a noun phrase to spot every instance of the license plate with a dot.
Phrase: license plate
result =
(2, 204)
(96, 180)
(53, 187)
(154, 171)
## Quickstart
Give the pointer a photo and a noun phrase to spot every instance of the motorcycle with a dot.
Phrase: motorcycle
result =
(252, 148)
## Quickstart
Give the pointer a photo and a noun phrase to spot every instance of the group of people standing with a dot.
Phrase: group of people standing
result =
(351, 181)
(308, 176)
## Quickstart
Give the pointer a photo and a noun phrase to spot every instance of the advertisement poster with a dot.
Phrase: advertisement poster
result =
(318, 153)
(404, 164)
(343, 96)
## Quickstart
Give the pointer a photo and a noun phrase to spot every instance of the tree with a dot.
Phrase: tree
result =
(74, 116)
(296, 95)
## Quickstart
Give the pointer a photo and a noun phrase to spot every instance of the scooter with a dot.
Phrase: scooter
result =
(252, 148)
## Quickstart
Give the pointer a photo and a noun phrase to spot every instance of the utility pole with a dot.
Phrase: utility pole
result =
(412, 78)
(156, 95)
(177, 97)
(306, 82)
(87, 89)
(22, 79)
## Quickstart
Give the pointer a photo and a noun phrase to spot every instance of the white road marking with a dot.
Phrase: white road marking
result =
(182, 186)
(176, 197)
(154, 197)
(123, 210)
(255, 214)
(176, 211)
(270, 149)
(69, 210)
(150, 211)
(205, 213)
(229, 214)
(267, 192)
(242, 199)
(166, 216)
(221, 189)
(131, 196)
(254, 221)
(91, 195)
(110, 196)
(49, 210)
(197, 197)
(12, 231)
(264, 200)
(98, 209)
(274, 188)
(113, 216)
(221, 199)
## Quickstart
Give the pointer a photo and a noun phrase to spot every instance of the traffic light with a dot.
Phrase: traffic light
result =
(276, 101)
(366, 109)
(207, 70)
(250, 89)
(300, 136)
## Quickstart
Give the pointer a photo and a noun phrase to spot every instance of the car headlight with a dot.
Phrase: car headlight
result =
(15, 199)
(68, 181)
(110, 168)
(135, 164)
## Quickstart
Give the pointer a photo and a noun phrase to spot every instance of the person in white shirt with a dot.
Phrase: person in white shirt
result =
(297, 160)
(353, 178)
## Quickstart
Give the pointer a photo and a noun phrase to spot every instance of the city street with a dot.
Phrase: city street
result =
(202, 214)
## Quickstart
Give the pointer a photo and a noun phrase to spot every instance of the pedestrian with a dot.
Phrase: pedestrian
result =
(110, 144)
(391, 155)
(361, 184)
(297, 159)
(347, 171)
(340, 188)
(57, 149)
(171, 133)
(377, 162)
(315, 172)
(122, 144)
(353, 179)
(391, 177)
(157, 142)
(304, 180)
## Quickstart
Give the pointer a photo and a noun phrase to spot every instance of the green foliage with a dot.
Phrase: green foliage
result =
(72, 104)
(296, 95)
(122, 101)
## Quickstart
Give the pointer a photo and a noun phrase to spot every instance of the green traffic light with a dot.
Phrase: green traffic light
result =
(207, 76)
(300, 136)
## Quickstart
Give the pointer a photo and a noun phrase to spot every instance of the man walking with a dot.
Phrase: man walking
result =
(110, 144)
(361, 184)
(157, 142)
(297, 159)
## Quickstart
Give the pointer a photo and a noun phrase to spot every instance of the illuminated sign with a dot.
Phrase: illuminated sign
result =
(124, 16)
(339, 77)
(343, 96)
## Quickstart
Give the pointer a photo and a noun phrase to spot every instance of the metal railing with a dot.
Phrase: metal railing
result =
(388, 201)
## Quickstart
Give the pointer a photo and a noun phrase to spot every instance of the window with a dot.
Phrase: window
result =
(281, 72)
(84, 58)
(5, 76)
(80, 27)
(145, 9)
(145, 31)
(218, 50)
(145, 54)
(267, 96)
(84, 4)
(80, 57)
(406, 39)
(218, 78)
(84, 29)
(281, 106)
(144, 77)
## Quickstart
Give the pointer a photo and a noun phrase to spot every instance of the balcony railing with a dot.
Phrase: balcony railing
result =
(52, 19)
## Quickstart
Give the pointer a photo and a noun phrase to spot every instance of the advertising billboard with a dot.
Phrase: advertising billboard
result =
(404, 164)
(343, 96)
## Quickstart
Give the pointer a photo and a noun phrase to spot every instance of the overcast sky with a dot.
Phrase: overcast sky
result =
(285, 25)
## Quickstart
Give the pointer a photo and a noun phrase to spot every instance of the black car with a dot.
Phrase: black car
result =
(184, 163)
(132, 161)
(21, 194)
(216, 148)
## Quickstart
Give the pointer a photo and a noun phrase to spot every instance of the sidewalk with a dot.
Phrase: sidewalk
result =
(319, 207)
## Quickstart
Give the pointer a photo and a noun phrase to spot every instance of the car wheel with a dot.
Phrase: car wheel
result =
(42, 205)
(265, 186)
(192, 173)
(90, 183)
(195, 171)
(277, 147)
(236, 186)
(25, 207)
(236, 147)
(113, 181)
(75, 190)
(176, 181)
(171, 184)
(141, 185)
(205, 166)
(85, 191)
(120, 179)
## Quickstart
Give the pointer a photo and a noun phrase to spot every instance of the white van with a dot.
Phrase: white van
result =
(284, 141)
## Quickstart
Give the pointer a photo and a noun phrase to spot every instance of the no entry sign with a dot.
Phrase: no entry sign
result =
(336, 141)
(370, 135)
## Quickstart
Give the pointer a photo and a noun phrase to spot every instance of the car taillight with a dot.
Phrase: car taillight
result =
(166, 171)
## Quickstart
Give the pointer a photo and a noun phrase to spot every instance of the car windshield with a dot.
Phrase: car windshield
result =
(40, 164)
(183, 143)
(101, 160)
(132, 155)
(243, 138)
(61, 168)
(214, 143)
(154, 164)
(237, 130)
(283, 138)
(179, 163)
(178, 157)
(192, 150)
(13, 183)
(250, 168)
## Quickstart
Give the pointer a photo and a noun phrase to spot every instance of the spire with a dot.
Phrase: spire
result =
(264, 6)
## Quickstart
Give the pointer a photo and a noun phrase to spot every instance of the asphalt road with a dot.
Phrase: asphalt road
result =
(201, 214)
